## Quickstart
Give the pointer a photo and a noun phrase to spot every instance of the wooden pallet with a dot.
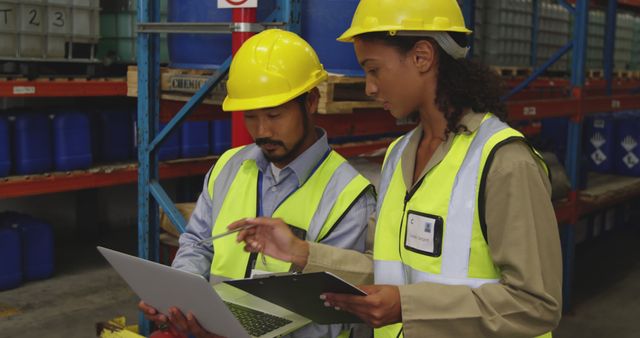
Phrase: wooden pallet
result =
(595, 73)
(512, 71)
(338, 95)
(179, 84)
(624, 74)
(342, 94)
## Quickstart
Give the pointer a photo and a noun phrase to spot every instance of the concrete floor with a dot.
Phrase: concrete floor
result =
(85, 290)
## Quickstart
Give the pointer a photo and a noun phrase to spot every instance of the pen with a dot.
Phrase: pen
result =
(213, 238)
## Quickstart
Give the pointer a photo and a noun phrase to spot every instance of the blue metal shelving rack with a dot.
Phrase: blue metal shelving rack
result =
(578, 46)
(151, 195)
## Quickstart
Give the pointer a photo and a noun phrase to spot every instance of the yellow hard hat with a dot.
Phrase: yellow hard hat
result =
(270, 69)
(405, 15)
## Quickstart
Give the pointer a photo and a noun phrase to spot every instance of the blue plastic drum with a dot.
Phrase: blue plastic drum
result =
(71, 141)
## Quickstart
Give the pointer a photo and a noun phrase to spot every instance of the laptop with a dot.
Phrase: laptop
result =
(221, 309)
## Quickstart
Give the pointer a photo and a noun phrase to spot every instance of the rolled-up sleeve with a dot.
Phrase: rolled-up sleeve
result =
(193, 257)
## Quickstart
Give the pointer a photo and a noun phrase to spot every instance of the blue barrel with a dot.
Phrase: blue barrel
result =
(37, 247)
(554, 135)
(5, 150)
(322, 22)
(220, 136)
(36, 238)
(170, 148)
(115, 142)
(10, 257)
(71, 141)
(31, 143)
(202, 51)
(195, 139)
(599, 139)
(627, 145)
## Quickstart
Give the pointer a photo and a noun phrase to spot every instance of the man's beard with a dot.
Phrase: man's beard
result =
(290, 154)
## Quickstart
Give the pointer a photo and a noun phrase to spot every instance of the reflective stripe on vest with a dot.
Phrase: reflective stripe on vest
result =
(315, 207)
(450, 191)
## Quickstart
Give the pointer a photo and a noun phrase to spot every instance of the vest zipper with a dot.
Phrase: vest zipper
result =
(407, 197)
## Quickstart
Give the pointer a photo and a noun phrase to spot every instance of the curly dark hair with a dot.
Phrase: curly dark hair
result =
(461, 83)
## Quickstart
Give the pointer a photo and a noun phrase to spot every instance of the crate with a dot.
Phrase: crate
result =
(512, 71)
(338, 95)
(48, 29)
(179, 84)
(342, 94)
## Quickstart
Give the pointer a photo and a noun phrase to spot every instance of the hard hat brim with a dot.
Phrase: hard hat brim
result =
(239, 104)
(352, 32)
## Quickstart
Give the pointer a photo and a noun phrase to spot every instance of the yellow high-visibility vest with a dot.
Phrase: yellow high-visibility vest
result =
(434, 233)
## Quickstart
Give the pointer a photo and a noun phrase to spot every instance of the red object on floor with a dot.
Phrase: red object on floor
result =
(166, 334)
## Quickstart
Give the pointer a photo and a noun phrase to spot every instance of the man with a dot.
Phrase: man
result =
(290, 172)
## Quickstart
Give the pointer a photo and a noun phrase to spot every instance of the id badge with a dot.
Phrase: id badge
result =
(424, 234)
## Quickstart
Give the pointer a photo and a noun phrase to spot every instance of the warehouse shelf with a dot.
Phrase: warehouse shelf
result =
(582, 96)
(605, 191)
(570, 107)
(63, 87)
(96, 177)
(126, 173)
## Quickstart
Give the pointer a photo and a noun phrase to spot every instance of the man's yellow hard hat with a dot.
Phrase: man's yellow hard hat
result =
(270, 69)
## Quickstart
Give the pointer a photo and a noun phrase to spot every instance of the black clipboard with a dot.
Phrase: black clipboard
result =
(300, 293)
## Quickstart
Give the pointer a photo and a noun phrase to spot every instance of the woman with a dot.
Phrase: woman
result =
(466, 241)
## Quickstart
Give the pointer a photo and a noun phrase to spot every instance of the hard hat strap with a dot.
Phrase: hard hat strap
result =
(443, 39)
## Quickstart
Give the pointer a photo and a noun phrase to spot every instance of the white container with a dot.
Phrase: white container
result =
(47, 29)
(624, 41)
(118, 33)
(507, 33)
(595, 40)
(635, 45)
(554, 32)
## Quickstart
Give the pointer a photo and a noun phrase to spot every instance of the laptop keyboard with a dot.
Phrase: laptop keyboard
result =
(257, 323)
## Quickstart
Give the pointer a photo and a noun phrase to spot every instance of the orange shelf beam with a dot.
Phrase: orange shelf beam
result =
(103, 176)
(63, 88)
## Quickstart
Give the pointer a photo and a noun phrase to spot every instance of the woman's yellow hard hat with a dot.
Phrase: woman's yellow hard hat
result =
(405, 15)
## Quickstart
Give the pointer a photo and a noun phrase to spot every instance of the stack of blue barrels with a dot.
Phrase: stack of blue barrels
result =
(26, 249)
(39, 144)
(612, 143)
(322, 21)
(69, 139)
